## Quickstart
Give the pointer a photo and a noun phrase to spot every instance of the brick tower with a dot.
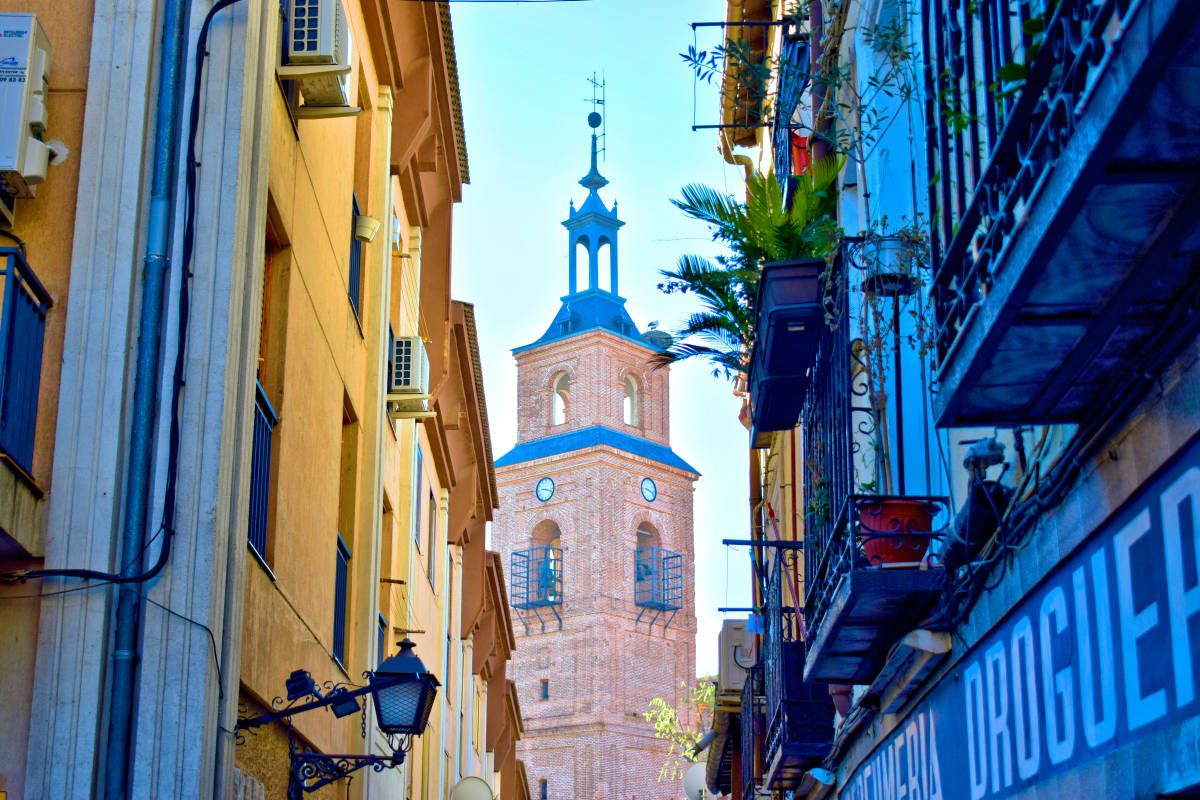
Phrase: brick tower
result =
(595, 525)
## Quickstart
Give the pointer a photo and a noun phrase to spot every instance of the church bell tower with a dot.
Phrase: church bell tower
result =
(595, 527)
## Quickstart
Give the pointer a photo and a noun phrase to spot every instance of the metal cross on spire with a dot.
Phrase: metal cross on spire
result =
(597, 100)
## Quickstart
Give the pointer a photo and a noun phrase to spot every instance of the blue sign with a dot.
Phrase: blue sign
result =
(1103, 652)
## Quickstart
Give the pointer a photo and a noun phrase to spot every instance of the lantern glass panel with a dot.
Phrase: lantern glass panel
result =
(398, 706)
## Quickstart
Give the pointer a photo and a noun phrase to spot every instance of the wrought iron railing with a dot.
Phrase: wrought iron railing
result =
(658, 579)
(22, 331)
(537, 579)
(1005, 82)
(752, 731)
(265, 420)
(780, 628)
(835, 418)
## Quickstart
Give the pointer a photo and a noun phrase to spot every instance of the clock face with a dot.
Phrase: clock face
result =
(544, 489)
(649, 490)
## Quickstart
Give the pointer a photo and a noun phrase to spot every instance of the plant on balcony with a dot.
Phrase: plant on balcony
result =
(894, 317)
(761, 230)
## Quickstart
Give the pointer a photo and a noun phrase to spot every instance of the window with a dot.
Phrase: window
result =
(432, 537)
(544, 691)
(341, 594)
(543, 790)
(383, 653)
(561, 395)
(418, 474)
(632, 410)
(354, 280)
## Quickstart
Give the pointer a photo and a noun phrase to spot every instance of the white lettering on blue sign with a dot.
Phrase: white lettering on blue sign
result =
(1104, 651)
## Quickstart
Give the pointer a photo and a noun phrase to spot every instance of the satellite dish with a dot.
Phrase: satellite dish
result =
(471, 788)
(693, 782)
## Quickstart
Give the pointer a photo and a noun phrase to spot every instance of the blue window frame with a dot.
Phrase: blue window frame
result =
(543, 790)
(545, 689)
(265, 420)
(341, 596)
(382, 638)
(23, 309)
(432, 539)
(418, 473)
(354, 281)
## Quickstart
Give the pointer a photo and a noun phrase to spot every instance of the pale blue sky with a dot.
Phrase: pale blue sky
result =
(523, 69)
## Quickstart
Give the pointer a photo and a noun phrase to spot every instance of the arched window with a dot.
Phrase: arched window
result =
(647, 536)
(633, 402)
(546, 563)
(561, 396)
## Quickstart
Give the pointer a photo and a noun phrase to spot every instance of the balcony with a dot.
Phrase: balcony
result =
(867, 579)
(537, 580)
(789, 316)
(752, 723)
(265, 420)
(658, 579)
(799, 714)
(1065, 138)
(22, 331)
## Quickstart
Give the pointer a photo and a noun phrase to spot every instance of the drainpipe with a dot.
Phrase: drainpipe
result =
(156, 264)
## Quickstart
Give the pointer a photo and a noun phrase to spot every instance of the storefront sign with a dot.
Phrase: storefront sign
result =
(1103, 652)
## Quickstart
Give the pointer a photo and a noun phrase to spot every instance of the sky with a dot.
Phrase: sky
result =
(523, 71)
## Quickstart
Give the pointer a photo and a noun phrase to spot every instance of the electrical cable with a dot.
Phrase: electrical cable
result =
(20, 242)
(166, 527)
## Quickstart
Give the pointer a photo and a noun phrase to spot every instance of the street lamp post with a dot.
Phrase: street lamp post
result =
(403, 691)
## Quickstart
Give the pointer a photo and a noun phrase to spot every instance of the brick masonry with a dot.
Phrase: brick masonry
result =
(589, 739)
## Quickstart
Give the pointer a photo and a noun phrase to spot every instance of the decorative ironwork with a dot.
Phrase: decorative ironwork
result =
(752, 731)
(1006, 82)
(312, 770)
(658, 579)
(780, 627)
(265, 420)
(22, 331)
(537, 579)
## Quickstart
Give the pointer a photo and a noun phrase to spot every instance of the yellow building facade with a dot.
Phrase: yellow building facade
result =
(312, 528)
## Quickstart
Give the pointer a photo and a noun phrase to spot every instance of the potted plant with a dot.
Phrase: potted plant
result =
(770, 276)
(889, 273)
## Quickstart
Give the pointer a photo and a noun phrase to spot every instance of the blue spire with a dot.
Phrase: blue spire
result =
(593, 225)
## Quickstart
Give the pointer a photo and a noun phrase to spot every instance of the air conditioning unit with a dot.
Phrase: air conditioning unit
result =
(24, 76)
(318, 54)
(408, 384)
(736, 655)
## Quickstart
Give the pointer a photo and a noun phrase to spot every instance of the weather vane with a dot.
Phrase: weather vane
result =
(595, 119)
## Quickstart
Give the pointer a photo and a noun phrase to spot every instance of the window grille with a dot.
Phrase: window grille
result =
(265, 420)
(341, 594)
(354, 280)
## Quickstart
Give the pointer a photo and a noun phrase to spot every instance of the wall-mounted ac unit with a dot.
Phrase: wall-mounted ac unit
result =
(318, 56)
(408, 385)
(736, 654)
(24, 80)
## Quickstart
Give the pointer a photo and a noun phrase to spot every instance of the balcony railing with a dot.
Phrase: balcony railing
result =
(1065, 192)
(22, 331)
(537, 579)
(799, 715)
(658, 579)
(265, 420)
(752, 732)
(849, 536)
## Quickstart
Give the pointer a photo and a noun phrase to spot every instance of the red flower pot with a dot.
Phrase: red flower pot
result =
(886, 526)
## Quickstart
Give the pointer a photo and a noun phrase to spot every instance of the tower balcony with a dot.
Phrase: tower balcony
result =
(1065, 137)
(799, 714)
(658, 579)
(22, 332)
(537, 578)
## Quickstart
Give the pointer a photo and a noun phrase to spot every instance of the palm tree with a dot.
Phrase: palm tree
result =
(760, 230)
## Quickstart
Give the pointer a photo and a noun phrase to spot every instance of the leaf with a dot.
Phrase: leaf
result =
(1034, 25)
(1013, 72)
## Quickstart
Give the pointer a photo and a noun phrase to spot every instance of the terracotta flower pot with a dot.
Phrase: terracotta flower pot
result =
(886, 525)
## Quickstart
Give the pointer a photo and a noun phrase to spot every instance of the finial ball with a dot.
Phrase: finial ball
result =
(594, 119)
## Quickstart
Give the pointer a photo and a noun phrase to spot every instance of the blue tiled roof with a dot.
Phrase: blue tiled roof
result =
(589, 310)
(591, 437)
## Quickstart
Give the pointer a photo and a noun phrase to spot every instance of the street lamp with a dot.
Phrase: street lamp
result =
(403, 691)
